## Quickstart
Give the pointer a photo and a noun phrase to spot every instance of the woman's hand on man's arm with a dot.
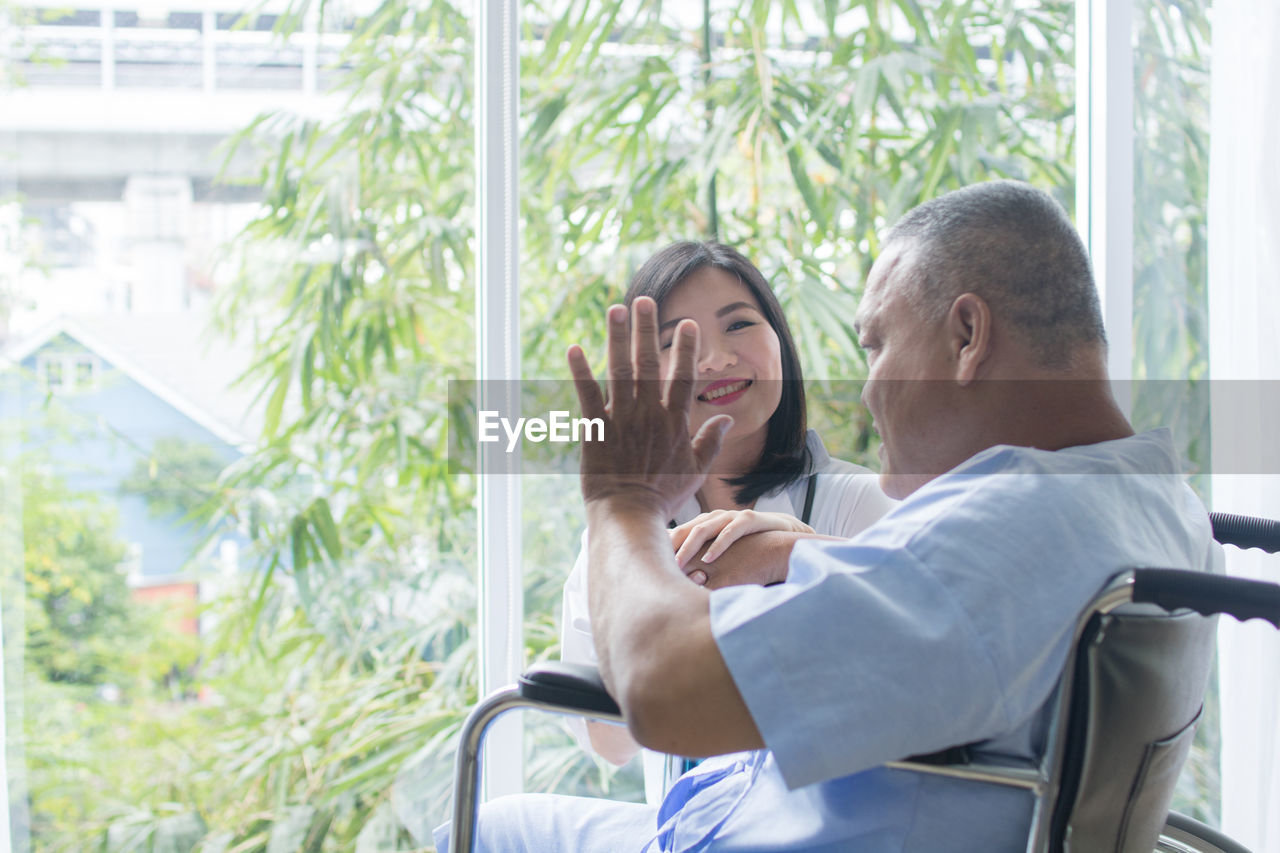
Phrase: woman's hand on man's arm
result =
(758, 558)
(713, 532)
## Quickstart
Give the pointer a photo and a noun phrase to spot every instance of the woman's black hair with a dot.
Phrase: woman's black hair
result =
(785, 457)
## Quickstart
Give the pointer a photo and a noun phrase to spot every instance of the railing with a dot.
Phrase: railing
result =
(205, 55)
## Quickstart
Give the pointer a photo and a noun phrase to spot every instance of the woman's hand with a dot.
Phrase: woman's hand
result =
(722, 527)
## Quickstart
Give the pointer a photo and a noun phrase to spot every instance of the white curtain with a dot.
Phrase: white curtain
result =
(1244, 358)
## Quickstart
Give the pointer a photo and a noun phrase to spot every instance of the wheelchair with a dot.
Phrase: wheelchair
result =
(1123, 719)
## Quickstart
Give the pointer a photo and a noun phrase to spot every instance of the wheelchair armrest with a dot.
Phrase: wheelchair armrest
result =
(550, 686)
(572, 686)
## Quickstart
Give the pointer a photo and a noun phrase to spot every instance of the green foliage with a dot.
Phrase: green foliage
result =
(178, 478)
(77, 604)
(1171, 192)
(347, 660)
(100, 668)
(816, 142)
(1171, 180)
(293, 735)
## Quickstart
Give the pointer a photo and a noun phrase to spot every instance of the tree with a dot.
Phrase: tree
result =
(178, 478)
(93, 658)
(78, 626)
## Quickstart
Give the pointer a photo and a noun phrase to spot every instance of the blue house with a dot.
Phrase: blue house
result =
(97, 392)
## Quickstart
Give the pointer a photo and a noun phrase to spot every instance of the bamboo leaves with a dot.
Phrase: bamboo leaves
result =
(810, 125)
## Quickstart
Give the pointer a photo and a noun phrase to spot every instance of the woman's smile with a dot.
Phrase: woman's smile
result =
(724, 391)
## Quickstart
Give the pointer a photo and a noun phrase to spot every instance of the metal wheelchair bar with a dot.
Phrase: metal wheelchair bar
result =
(466, 774)
(1183, 834)
(1166, 844)
(1012, 777)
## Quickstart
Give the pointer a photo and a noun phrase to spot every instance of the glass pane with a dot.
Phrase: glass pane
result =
(1170, 249)
(247, 604)
(795, 133)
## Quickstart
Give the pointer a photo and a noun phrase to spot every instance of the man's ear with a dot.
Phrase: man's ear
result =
(969, 335)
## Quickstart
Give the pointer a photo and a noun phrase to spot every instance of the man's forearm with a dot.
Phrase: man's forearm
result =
(652, 630)
(636, 591)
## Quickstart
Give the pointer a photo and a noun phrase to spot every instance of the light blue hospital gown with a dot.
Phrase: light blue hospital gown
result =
(945, 623)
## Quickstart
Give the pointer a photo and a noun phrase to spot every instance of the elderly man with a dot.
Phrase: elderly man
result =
(1024, 488)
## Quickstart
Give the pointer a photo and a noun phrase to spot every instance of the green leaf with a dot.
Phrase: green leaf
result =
(322, 521)
(805, 186)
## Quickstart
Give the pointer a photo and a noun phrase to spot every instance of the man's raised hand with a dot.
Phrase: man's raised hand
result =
(646, 458)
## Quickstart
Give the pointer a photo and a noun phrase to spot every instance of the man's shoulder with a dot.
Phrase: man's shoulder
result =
(1121, 503)
(1009, 483)
(1144, 453)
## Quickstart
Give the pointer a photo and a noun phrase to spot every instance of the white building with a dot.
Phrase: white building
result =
(115, 178)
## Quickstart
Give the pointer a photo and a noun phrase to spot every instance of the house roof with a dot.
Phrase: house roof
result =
(174, 356)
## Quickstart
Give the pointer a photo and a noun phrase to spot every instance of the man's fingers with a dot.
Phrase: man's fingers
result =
(706, 444)
(590, 399)
(680, 380)
(644, 347)
(621, 373)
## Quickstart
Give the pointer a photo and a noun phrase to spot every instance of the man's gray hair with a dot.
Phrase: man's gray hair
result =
(1014, 246)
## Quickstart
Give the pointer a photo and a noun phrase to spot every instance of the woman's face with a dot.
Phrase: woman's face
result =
(739, 370)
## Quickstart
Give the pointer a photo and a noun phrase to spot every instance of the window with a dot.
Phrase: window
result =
(51, 371)
(68, 372)
(304, 184)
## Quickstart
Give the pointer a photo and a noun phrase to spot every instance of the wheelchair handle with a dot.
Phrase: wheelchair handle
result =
(1208, 594)
(1246, 531)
